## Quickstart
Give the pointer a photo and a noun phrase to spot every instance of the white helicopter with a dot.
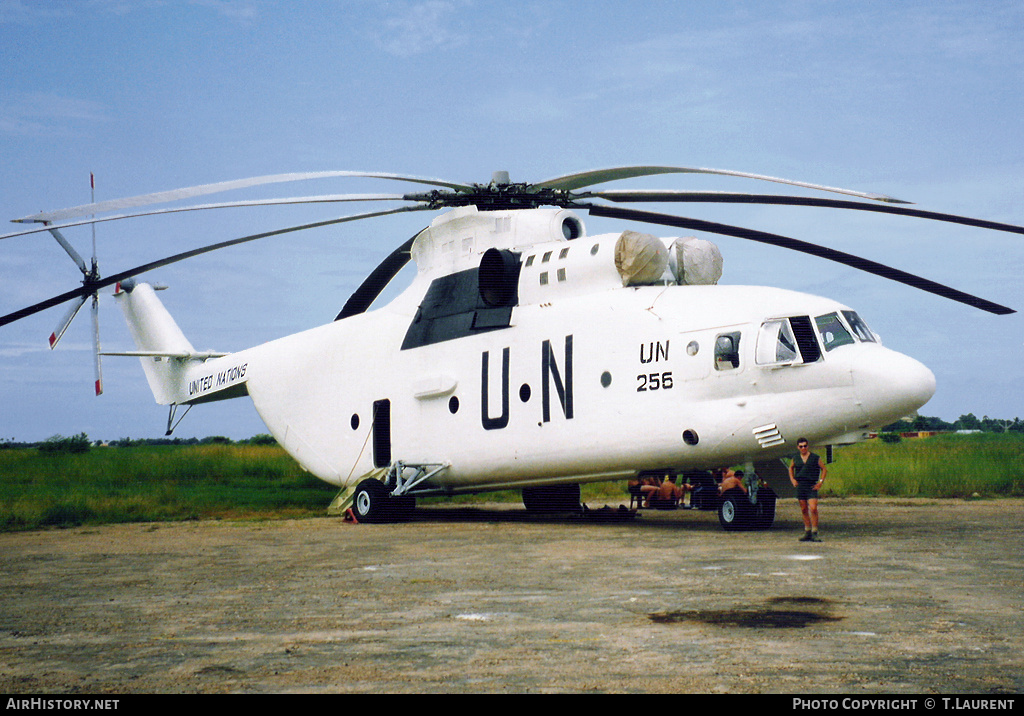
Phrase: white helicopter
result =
(529, 355)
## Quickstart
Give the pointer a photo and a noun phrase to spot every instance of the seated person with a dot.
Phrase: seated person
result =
(670, 492)
(644, 487)
(730, 480)
(704, 488)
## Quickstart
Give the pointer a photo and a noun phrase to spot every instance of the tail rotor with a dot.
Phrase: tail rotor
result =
(90, 280)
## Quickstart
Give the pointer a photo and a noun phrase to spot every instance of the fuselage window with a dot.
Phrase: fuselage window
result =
(833, 332)
(860, 328)
(727, 351)
(776, 343)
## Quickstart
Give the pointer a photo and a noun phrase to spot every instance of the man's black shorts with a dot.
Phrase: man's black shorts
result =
(806, 493)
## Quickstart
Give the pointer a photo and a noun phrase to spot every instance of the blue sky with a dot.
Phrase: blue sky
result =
(918, 100)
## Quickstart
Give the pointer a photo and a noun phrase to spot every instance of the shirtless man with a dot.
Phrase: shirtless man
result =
(644, 488)
(671, 492)
(730, 480)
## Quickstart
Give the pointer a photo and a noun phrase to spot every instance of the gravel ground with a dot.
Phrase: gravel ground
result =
(903, 596)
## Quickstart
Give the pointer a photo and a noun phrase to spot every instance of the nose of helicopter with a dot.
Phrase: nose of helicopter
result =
(891, 385)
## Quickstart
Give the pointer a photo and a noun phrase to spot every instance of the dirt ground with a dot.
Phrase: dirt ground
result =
(903, 596)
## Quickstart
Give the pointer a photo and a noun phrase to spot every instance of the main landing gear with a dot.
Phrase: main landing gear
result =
(738, 510)
(373, 503)
(386, 495)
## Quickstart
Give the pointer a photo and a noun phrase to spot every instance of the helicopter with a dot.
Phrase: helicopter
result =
(527, 354)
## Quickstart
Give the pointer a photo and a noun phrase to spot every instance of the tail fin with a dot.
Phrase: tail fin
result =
(158, 339)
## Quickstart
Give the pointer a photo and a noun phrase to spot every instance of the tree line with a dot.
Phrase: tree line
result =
(968, 422)
(82, 443)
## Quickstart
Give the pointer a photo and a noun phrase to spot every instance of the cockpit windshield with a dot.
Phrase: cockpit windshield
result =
(794, 340)
(832, 331)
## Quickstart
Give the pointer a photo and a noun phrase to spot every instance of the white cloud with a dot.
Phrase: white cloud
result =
(21, 12)
(233, 9)
(47, 114)
(423, 26)
(524, 106)
(17, 350)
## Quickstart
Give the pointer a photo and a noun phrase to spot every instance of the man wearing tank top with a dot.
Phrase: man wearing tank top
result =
(807, 473)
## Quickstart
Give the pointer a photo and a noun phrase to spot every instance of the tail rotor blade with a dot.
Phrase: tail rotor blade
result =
(58, 332)
(98, 369)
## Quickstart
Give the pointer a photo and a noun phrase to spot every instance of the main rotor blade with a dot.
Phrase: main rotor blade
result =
(856, 262)
(714, 197)
(203, 189)
(570, 182)
(322, 199)
(377, 281)
(93, 286)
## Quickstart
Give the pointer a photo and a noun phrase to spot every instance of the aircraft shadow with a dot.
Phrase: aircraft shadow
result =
(647, 519)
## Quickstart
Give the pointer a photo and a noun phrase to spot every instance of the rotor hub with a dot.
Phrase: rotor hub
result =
(495, 197)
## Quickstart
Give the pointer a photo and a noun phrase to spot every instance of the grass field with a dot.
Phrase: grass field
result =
(986, 464)
(138, 484)
(153, 483)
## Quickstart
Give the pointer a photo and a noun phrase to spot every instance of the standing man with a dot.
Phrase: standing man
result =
(807, 473)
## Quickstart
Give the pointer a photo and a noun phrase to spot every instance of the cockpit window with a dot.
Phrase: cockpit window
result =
(860, 328)
(727, 351)
(833, 332)
(776, 343)
(787, 341)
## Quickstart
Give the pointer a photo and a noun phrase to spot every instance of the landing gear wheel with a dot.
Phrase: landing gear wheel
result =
(371, 501)
(735, 511)
(764, 510)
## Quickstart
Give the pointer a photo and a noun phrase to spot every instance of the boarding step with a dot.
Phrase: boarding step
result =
(347, 494)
